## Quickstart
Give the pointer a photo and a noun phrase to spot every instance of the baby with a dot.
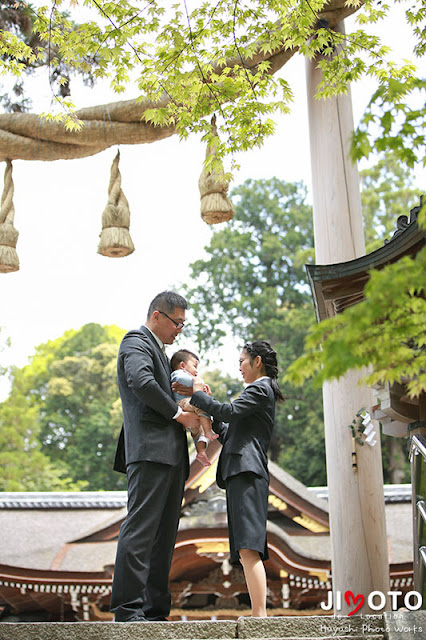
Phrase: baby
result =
(184, 365)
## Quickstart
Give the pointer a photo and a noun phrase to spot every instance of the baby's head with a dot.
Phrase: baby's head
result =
(185, 359)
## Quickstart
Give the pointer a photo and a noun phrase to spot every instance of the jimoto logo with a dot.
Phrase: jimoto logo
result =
(376, 600)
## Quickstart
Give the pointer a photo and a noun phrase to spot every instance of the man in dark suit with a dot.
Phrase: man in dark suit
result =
(153, 451)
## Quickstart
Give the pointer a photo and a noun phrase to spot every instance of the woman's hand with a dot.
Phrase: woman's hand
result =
(182, 389)
(199, 384)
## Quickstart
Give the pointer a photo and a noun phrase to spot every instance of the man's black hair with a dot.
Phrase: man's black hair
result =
(167, 301)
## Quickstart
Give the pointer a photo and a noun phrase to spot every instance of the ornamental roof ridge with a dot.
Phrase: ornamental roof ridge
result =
(61, 500)
(403, 222)
(118, 499)
(392, 492)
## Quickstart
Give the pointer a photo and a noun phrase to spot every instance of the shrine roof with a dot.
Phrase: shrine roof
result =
(36, 537)
(337, 286)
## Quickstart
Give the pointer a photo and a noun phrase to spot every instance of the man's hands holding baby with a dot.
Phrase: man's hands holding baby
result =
(188, 419)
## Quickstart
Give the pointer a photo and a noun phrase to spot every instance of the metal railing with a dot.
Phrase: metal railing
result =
(418, 483)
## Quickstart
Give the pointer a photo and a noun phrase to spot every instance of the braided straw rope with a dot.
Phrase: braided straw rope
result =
(27, 136)
(115, 240)
(9, 260)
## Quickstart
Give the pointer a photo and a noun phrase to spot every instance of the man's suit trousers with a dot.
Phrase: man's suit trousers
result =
(146, 541)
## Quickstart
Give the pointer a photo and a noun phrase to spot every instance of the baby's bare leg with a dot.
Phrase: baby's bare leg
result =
(207, 428)
(201, 454)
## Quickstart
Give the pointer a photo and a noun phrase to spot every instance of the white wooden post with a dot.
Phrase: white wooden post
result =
(356, 502)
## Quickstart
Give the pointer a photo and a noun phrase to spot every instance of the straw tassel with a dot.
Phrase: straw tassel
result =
(215, 205)
(115, 240)
(9, 260)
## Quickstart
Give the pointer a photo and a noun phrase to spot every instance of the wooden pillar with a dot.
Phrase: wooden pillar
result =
(356, 502)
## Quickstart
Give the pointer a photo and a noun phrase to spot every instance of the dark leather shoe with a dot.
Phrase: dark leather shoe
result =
(157, 619)
(137, 619)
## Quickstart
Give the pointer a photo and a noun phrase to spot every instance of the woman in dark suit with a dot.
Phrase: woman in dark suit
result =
(243, 463)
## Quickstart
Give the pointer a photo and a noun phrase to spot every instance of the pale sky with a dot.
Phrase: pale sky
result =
(63, 283)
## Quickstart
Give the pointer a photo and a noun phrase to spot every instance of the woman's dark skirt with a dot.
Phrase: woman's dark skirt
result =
(247, 506)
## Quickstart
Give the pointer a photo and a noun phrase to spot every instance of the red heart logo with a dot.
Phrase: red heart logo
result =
(360, 598)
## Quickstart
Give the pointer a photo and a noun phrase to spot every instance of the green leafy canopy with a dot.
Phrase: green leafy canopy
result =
(188, 60)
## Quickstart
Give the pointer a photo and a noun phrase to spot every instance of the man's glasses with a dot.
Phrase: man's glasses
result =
(179, 325)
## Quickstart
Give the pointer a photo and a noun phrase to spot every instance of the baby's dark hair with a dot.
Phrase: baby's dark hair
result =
(269, 359)
(182, 355)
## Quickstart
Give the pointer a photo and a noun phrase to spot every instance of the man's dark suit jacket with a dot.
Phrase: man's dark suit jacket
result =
(149, 433)
(247, 436)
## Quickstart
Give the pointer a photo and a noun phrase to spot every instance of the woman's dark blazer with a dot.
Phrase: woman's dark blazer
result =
(149, 431)
(247, 436)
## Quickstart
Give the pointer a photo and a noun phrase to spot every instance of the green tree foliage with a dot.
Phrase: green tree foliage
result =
(4, 344)
(252, 284)
(64, 414)
(76, 421)
(224, 387)
(254, 267)
(189, 61)
(24, 466)
(23, 51)
(387, 192)
(391, 124)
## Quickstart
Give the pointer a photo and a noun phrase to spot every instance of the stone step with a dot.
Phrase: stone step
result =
(309, 627)
(389, 626)
(214, 630)
(138, 631)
